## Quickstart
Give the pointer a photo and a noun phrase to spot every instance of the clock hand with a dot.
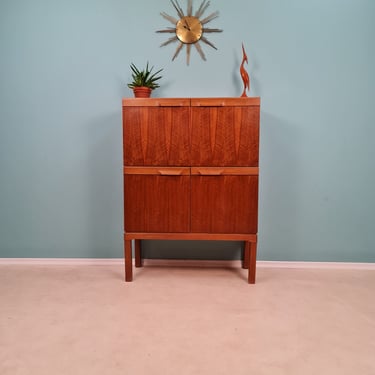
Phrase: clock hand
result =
(186, 25)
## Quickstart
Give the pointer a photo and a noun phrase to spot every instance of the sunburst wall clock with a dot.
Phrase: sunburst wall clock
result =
(189, 29)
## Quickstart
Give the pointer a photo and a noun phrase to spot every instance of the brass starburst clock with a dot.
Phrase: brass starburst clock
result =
(189, 29)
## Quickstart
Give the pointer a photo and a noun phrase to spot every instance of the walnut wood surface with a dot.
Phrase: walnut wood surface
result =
(225, 136)
(156, 136)
(180, 171)
(245, 255)
(138, 253)
(191, 236)
(191, 172)
(224, 204)
(156, 102)
(128, 260)
(167, 171)
(252, 262)
(221, 171)
(157, 203)
(223, 102)
(194, 102)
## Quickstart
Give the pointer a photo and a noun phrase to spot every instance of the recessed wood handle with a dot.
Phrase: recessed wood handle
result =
(164, 171)
(173, 102)
(224, 171)
(171, 172)
(209, 171)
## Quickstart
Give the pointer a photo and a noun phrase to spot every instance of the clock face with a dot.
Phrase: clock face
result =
(189, 29)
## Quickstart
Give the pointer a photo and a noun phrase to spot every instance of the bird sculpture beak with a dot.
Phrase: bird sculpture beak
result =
(244, 53)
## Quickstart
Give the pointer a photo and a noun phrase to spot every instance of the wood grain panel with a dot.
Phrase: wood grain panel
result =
(163, 171)
(157, 203)
(224, 204)
(128, 260)
(223, 102)
(156, 135)
(225, 136)
(252, 262)
(155, 102)
(192, 236)
(221, 171)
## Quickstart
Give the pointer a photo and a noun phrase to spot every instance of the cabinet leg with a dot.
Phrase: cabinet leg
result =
(245, 255)
(128, 260)
(252, 262)
(138, 253)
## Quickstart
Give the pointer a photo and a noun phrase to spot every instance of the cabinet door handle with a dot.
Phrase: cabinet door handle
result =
(225, 171)
(171, 172)
(210, 171)
(165, 171)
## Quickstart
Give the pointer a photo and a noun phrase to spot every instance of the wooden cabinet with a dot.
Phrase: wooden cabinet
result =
(191, 172)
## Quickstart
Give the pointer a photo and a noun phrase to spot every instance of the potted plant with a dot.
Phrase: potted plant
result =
(143, 81)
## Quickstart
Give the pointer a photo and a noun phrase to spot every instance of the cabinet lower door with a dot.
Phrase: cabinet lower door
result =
(224, 203)
(157, 202)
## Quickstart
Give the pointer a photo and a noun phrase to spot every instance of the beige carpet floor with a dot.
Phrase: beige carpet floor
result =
(181, 320)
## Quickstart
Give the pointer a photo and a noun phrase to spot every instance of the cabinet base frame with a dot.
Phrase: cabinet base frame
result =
(249, 253)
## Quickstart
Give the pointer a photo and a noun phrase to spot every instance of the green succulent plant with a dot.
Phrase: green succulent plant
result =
(144, 78)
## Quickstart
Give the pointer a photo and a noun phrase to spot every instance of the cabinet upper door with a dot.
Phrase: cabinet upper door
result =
(225, 132)
(156, 132)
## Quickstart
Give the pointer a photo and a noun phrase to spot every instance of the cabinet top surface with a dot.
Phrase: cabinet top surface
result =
(194, 102)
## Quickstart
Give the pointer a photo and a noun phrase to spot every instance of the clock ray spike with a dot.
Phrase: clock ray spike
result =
(200, 50)
(179, 10)
(199, 9)
(205, 40)
(205, 4)
(169, 30)
(190, 8)
(188, 49)
(208, 30)
(169, 18)
(211, 17)
(170, 40)
(178, 49)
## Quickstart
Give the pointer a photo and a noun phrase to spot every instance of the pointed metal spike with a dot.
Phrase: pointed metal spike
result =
(200, 50)
(170, 40)
(178, 8)
(208, 30)
(169, 18)
(198, 12)
(211, 17)
(190, 8)
(178, 49)
(203, 8)
(205, 40)
(169, 30)
(188, 49)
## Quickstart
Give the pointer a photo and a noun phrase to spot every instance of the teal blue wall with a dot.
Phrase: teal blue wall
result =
(63, 69)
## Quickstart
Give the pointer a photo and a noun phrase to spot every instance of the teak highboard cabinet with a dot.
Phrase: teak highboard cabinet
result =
(191, 173)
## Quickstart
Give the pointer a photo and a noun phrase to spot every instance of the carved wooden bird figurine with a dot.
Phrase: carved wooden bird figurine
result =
(244, 74)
